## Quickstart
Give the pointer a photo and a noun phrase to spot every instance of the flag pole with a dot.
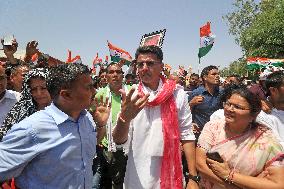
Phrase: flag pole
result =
(198, 65)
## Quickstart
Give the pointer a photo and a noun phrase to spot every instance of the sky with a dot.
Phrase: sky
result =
(84, 26)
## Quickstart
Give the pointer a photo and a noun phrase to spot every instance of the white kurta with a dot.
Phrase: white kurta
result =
(146, 141)
(274, 120)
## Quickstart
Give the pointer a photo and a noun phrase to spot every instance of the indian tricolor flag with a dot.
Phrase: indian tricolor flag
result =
(206, 40)
(117, 54)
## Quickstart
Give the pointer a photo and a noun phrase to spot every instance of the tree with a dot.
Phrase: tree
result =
(236, 67)
(265, 36)
(258, 29)
(242, 17)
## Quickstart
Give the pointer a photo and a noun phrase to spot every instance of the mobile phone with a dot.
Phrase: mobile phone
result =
(215, 156)
(8, 40)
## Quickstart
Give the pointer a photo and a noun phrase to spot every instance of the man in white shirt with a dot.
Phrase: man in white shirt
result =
(154, 119)
(275, 120)
(7, 97)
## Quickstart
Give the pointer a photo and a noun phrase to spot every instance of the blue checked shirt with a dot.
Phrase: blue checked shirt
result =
(48, 150)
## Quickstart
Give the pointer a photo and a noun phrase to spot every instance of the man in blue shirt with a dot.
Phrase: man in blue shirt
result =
(205, 100)
(55, 147)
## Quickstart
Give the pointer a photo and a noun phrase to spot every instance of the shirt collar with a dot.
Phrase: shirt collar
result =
(151, 92)
(203, 89)
(9, 94)
(58, 115)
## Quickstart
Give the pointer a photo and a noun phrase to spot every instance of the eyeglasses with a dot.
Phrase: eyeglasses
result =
(115, 71)
(148, 63)
(235, 106)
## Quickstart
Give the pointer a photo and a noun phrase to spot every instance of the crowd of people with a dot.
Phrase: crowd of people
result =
(62, 126)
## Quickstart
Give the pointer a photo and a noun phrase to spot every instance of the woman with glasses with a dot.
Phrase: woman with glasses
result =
(237, 152)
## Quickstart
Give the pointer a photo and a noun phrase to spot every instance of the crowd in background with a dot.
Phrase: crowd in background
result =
(237, 127)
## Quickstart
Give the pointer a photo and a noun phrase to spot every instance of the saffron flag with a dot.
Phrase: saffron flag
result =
(76, 59)
(117, 54)
(206, 40)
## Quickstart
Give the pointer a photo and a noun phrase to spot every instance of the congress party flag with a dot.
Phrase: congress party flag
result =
(206, 40)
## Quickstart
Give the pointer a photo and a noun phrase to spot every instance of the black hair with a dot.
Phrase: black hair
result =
(114, 63)
(130, 75)
(194, 75)
(275, 80)
(234, 75)
(63, 76)
(206, 70)
(227, 91)
(150, 49)
(15, 69)
(252, 99)
(103, 70)
(96, 81)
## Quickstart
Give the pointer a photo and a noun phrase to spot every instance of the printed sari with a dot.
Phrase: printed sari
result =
(248, 153)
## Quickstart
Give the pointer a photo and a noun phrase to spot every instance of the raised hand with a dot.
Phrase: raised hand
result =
(101, 112)
(31, 48)
(130, 107)
(9, 50)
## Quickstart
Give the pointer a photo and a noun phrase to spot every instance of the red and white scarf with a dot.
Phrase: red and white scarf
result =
(171, 170)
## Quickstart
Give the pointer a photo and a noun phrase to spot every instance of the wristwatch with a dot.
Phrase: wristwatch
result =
(195, 178)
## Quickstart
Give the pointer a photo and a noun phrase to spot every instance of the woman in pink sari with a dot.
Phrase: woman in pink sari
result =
(252, 157)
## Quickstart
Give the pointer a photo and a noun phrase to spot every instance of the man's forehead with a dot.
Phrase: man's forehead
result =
(114, 67)
(147, 56)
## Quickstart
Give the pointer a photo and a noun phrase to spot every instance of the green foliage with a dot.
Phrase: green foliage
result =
(237, 67)
(259, 30)
(242, 17)
(265, 36)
